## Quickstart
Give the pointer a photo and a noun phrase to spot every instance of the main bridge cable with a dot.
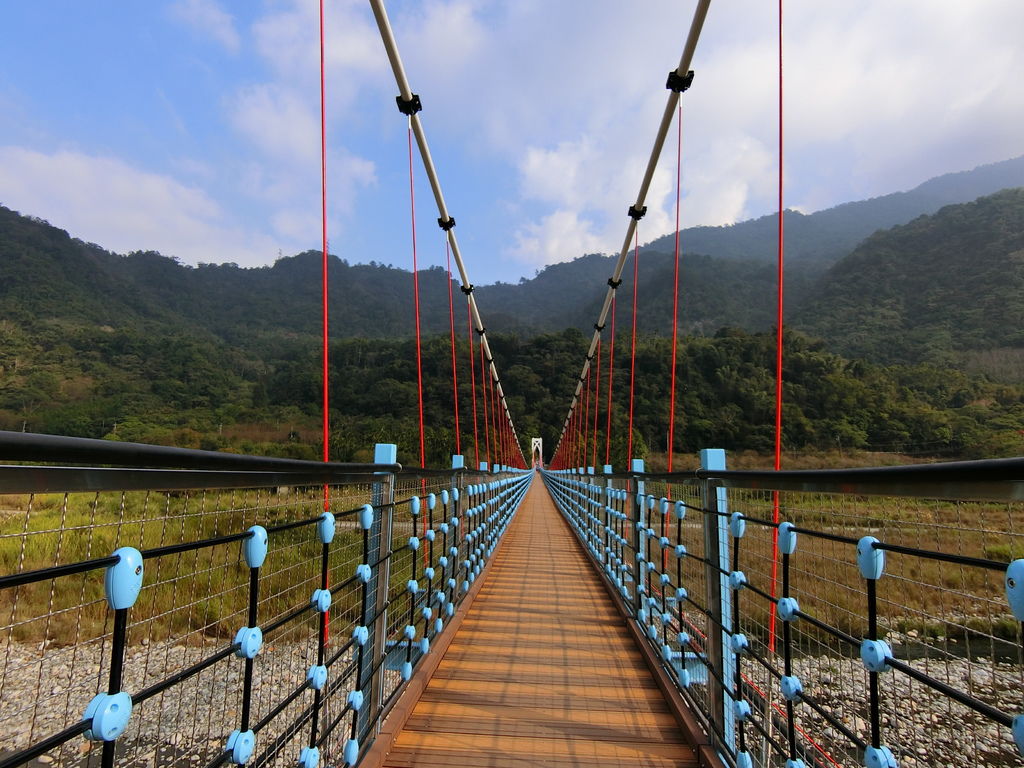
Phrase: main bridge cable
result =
(679, 80)
(409, 103)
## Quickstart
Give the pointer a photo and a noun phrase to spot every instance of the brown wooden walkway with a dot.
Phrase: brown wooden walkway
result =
(543, 670)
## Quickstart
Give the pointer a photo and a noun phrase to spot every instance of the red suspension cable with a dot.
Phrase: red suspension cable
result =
(611, 370)
(483, 390)
(416, 303)
(455, 364)
(472, 379)
(323, 218)
(675, 293)
(597, 401)
(778, 361)
(632, 352)
(585, 402)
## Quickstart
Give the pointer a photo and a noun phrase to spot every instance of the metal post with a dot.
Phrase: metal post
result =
(383, 496)
(719, 597)
(636, 537)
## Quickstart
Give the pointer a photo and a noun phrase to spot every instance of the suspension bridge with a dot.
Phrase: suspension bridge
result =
(164, 606)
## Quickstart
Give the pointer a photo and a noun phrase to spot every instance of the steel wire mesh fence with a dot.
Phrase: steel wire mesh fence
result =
(251, 633)
(765, 610)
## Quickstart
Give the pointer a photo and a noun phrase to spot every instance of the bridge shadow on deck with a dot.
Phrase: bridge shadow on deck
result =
(543, 670)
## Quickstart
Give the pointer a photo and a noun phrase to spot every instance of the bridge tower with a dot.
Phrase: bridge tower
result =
(537, 451)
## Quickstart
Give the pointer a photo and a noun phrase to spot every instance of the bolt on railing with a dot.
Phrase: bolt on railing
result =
(241, 616)
(899, 597)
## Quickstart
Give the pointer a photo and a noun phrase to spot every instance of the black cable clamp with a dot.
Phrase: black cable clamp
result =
(466, 289)
(679, 83)
(480, 331)
(614, 284)
(490, 361)
(599, 328)
(637, 213)
(446, 225)
(410, 107)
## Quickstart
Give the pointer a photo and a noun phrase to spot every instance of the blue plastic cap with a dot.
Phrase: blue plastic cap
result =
(791, 687)
(740, 644)
(1018, 733)
(737, 579)
(428, 612)
(737, 525)
(787, 538)
(744, 760)
(409, 632)
(406, 670)
(875, 654)
(325, 528)
(430, 535)
(788, 607)
(741, 709)
(796, 763)
(241, 745)
(438, 626)
(250, 640)
(351, 753)
(636, 465)
(309, 757)
(428, 572)
(385, 453)
(108, 714)
(879, 757)
(442, 561)
(444, 497)
(1014, 582)
(663, 505)
(455, 494)
(607, 469)
(364, 573)
(483, 466)
(425, 645)
(450, 610)
(123, 579)
(414, 505)
(361, 635)
(413, 586)
(870, 560)
(317, 677)
(681, 594)
(431, 501)
(366, 517)
(414, 543)
(355, 700)
(321, 600)
(684, 678)
(680, 510)
(458, 461)
(680, 551)
(444, 528)
(683, 638)
(664, 542)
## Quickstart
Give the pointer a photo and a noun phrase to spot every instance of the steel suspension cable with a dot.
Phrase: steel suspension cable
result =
(455, 364)
(680, 74)
(483, 391)
(409, 104)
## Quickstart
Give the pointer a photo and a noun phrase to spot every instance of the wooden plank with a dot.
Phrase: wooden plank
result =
(543, 671)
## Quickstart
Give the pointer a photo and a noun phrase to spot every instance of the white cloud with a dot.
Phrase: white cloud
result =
(559, 236)
(209, 20)
(106, 201)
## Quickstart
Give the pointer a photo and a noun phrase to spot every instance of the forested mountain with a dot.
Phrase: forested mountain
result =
(816, 240)
(941, 289)
(141, 347)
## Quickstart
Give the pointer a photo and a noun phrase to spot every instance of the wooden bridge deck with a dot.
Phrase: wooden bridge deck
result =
(542, 671)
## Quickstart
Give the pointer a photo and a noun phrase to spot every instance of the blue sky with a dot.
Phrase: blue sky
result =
(192, 126)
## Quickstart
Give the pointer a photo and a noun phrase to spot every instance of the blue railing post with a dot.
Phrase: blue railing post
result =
(719, 596)
(636, 537)
(371, 681)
